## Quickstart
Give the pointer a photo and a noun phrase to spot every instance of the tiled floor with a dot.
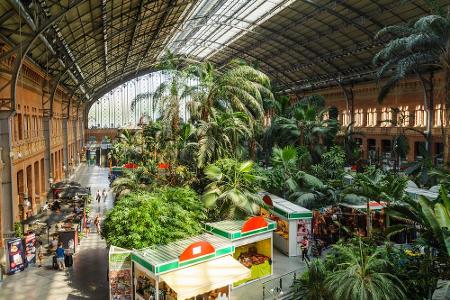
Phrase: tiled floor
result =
(87, 278)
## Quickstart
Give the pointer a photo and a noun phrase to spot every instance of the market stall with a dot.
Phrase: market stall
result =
(356, 216)
(293, 223)
(252, 241)
(200, 267)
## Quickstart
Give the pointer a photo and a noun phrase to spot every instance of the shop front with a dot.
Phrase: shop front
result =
(253, 244)
(201, 267)
(293, 223)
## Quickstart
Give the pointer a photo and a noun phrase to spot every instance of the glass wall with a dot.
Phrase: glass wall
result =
(115, 109)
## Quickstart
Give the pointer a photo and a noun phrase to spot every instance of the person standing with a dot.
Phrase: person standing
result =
(60, 257)
(304, 248)
(98, 196)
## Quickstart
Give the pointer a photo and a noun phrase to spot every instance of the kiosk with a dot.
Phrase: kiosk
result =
(200, 267)
(293, 223)
(252, 241)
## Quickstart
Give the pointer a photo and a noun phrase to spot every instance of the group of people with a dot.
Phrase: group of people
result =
(101, 195)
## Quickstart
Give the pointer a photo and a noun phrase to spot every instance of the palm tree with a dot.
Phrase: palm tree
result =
(169, 94)
(361, 275)
(311, 285)
(374, 185)
(414, 49)
(220, 136)
(241, 88)
(233, 188)
(306, 127)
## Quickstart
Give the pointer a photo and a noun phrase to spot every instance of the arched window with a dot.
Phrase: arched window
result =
(371, 117)
(345, 118)
(359, 117)
(386, 117)
(420, 116)
(403, 116)
(439, 115)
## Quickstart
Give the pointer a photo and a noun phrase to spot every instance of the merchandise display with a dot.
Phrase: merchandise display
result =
(293, 223)
(252, 240)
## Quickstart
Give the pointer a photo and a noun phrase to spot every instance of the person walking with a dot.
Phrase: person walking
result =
(305, 247)
(98, 196)
(104, 195)
(97, 223)
(60, 257)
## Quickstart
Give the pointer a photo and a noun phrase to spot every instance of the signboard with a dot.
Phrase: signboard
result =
(30, 248)
(120, 274)
(16, 256)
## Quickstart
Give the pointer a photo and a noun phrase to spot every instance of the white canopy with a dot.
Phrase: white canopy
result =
(205, 277)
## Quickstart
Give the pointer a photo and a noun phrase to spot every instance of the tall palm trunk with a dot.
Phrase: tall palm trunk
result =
(428, 88)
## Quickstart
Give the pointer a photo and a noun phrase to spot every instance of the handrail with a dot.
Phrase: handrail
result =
(280, 290)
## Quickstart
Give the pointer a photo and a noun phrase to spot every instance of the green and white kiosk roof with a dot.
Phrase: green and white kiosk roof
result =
(237, 229)
(285, 208)
(165, 258)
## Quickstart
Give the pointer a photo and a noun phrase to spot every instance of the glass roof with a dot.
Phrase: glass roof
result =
(213, 24)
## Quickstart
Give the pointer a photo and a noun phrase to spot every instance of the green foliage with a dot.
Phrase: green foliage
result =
(310, 286)
(353, 271)
(18, 229)
(142, 219)
(416, 271)
(331, 168)
(363, 274)
(232, 189)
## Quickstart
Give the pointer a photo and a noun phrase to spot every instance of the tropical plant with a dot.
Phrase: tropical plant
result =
(414, 49)
(241, 88)
(311, 284)
(125, 184)
(233, 188)
(142, 219)
(220, 136)
(331, 167)
(363, 274)
(375, 185)
(433, 216)
(306, 127)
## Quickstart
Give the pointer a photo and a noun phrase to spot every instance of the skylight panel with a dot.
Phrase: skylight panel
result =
(211, 27)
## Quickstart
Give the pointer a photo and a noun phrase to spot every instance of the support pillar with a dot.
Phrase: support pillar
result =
(75, 141)
(65, 147)
(7, 208)
(47, 137)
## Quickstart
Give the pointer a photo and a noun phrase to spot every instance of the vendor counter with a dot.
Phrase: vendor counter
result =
(293, 223)
(253, 244)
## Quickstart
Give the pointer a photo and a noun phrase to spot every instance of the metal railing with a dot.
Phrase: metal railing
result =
(280, 287)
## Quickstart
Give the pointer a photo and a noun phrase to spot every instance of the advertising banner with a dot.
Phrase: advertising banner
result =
(120, 274)
(16, 255)
(30, 248)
